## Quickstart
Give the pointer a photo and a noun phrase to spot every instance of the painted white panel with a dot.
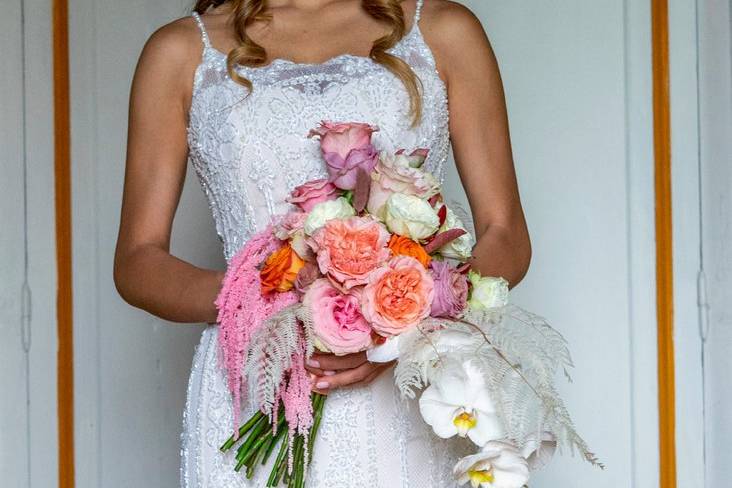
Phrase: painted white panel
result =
(27, 432)
(14, 442)
(686, 239)
(715, 80)
(577, 83)
(131, 368)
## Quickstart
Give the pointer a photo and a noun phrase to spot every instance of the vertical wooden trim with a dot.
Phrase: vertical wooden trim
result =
(64, 303)
(664, 243)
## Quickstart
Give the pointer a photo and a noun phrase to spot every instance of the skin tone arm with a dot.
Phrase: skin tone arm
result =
(482, 149)
(145, 273)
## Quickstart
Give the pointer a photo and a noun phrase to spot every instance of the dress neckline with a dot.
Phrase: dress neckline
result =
(208, 46)
(333, 59)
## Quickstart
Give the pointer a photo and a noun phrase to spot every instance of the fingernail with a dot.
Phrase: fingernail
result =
(313, 363)
(329, 373)
(322, 385)
(313, 378)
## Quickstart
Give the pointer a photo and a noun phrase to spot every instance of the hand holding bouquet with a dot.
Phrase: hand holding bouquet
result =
(372, 259)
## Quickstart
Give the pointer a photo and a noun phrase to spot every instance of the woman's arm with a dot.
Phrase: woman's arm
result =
(145, 273)
(480, 138)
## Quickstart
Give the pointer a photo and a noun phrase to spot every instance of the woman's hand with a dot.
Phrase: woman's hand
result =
(330, 371)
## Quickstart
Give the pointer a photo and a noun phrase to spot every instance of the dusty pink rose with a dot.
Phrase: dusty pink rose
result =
(451, 290)
(339, 326)
(307, 195)
(289, 227)
(400, 173)
(349, 249)
(398, 296)
(346, 147)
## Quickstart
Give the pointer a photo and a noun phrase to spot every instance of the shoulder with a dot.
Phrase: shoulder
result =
(453, 32)
(171, 53)
(174, 43)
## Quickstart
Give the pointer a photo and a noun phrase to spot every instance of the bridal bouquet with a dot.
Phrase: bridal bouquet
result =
(373, 259)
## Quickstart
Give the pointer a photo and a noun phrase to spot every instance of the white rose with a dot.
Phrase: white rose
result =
(325, 211)
(487, 292)
(460, 248)
(410, 216)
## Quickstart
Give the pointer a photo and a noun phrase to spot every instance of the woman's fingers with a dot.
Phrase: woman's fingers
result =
(331, 362)
(344, 377)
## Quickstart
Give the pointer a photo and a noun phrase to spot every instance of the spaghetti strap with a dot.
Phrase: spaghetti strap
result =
(418, 11)
(204, 34)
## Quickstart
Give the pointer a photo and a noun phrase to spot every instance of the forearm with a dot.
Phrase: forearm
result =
(503, 252)
(152, 279)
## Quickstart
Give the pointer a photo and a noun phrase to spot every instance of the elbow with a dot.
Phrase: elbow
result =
(121, 275)
(523, 259)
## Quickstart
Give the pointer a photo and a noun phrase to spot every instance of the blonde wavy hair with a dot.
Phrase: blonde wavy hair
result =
(249, 53)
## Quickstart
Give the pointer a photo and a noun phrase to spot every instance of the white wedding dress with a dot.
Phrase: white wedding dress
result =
(249, 152)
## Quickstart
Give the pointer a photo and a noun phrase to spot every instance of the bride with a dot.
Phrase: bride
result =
(234, 89)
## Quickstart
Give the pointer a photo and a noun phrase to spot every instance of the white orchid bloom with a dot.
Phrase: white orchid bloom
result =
(539, 450)
(497, 465)
(458, 403)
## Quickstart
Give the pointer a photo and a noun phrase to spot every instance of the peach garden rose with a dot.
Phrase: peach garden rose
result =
(349, 249)
(398, 296)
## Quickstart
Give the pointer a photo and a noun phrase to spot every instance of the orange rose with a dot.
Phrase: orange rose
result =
(404, 246)
(280, 270)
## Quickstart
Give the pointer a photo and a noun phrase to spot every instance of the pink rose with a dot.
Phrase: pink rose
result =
(451, 290)
(349, 249)
(346, 147)
(339, 326)
(398, 296)
(307, 195)
(400, 173)
(290, 227)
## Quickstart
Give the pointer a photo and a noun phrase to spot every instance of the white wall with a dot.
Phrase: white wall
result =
(28, 433)
(715, 78)
(131, 368)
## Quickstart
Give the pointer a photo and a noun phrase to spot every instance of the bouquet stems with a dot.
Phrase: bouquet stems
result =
(259, 438)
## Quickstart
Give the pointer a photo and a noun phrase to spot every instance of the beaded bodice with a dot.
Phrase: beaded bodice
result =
(250, 149)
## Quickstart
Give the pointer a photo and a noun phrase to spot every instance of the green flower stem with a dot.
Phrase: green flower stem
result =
(242, 430)
(253, 437)
(318, 406)
(280, 464)
(281, 431)
(260, 455)
(253, 451)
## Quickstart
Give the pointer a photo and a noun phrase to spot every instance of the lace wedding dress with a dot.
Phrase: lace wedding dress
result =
(248, 153)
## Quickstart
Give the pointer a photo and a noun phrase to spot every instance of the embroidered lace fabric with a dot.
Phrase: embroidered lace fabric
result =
(248, 153)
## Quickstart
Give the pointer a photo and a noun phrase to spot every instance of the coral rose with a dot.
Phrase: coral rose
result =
(309, 194)
(280, 270)
(346, 148)
(338, 324)
(404, 246)
(349, 249)
(398, 296)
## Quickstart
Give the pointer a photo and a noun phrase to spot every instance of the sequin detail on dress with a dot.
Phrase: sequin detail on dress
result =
(248, 153)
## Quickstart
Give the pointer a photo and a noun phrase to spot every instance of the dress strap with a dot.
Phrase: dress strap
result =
(418, 11)
(204, 34)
